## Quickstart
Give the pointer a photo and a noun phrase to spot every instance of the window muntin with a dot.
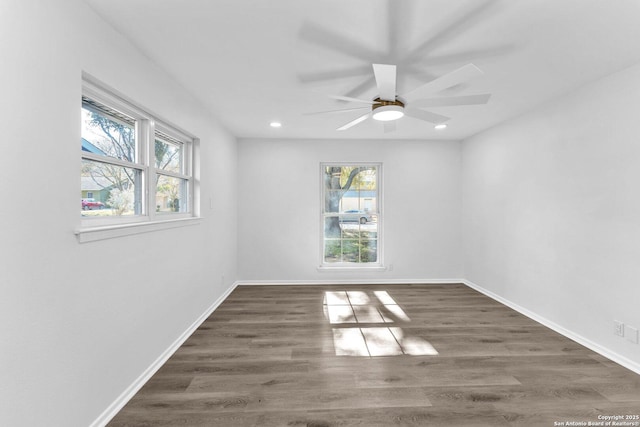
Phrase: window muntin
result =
(351, 215)
(137, 168)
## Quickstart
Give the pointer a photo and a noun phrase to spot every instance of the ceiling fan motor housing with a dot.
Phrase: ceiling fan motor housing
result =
(387, 110)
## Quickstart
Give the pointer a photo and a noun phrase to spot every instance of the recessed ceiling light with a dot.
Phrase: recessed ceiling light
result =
(440, 126)
(275, 124)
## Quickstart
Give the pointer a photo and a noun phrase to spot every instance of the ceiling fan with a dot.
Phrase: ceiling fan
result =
(388, 106)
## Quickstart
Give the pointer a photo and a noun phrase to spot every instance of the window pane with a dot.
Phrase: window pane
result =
(114, 190)
(168, 155)
(359, 231)
(332, 250)
(171, 194)
(108, 136)
(350, 250)
(368, 250)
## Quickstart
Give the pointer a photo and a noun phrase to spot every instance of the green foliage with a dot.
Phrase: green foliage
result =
(354, 246)
(364, 179)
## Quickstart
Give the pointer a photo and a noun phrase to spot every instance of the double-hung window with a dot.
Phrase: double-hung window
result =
(135, 168)
(172, 158)
(351, 215)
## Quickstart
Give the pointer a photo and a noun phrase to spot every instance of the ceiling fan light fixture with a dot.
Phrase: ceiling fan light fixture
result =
(386, 111)
(440, 126)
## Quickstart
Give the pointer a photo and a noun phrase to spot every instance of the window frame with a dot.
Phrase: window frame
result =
(353, 266)
(146, 124)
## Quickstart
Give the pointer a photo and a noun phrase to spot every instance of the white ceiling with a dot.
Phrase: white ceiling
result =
(255, 61)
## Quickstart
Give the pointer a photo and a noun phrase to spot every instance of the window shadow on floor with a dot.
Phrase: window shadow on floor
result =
(369, 324)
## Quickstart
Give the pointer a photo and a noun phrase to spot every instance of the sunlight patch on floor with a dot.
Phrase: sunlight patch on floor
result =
(349, 342)
(368, 311)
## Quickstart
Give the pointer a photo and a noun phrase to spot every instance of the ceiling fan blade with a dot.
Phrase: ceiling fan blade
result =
(453, 78)
(468, 55)
(400, 26)
(333, 74)
(386, 81)
(319, 36)
(412, 73)
(452, 100)
(347, 110)
(363, 87)
(389, 126)
(355, 122)
(393, 26)
(427, 116)
(350, 99)
(457, 27)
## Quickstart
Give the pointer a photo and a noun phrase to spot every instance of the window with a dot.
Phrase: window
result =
(351, 215)
(135, 168)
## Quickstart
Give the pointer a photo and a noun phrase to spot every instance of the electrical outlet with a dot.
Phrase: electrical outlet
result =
(632, 334)
(618, 328)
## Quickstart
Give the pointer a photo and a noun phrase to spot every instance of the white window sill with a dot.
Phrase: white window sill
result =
(351, 267)
(92, 234)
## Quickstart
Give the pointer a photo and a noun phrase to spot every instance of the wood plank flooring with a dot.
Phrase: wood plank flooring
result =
(301, 356)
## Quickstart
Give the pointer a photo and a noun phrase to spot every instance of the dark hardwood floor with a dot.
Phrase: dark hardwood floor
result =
(373, 355)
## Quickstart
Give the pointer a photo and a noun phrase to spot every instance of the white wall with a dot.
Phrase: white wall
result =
(552, 210)
(279, 184)
(550, 217)
(80, 322)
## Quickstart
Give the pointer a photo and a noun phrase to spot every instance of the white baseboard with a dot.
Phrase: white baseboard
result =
(619, 359)
(350, 282)
(130, 391)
